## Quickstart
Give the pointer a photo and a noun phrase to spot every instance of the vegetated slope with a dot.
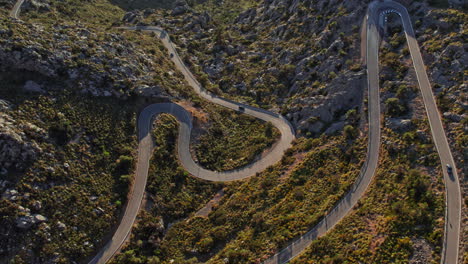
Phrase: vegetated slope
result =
(444, 37)
(61, 202)
(126, 63)
(401, 218)
(257, 215)
(171, 193)
(232, 58)
(67, 141)
(70, 92)
(442, 34)
(148, 4)
(399, 229)
(87, 58)
(232, 140)
(300, 58)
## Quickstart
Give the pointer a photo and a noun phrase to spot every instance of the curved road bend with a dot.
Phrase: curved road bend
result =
(452, 185)
(453, 198)
(183, 148)
(453, 194)
(276, 153)
(345, 205)
(16, 9)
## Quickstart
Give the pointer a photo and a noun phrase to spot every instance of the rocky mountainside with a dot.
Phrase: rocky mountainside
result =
(17, 146)
(70, 53)
(299, 57)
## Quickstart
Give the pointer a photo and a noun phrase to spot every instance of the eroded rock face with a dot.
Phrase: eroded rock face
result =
(109, 67)
(321, 78)
(16, 150)
(27, 221)
(39, 5)
(180, 8)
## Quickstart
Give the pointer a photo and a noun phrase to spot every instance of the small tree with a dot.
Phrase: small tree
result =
(394, 107)
(350, 132)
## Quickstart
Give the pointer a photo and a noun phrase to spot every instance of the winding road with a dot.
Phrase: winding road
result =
(16, 9)
(373, 33)
(375, 21)
(145, 146)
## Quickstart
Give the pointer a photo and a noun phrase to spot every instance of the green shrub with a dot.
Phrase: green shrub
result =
(394, 107)
(350, 132)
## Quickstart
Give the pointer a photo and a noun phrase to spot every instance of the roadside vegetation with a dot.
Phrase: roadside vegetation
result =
(400, 219)
(82, 175)
(80, 178)
(233, 140)
(409, 218)
(262, 213)
(172, 195)
(173, 191)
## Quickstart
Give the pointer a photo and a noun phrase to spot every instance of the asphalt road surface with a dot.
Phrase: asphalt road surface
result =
(452, 185)
(145, 147)
(453, 198)
(16, 9)
(374, 29)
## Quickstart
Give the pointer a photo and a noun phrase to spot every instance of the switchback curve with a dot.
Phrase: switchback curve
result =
(453, 193)
(374, 23)
(183, 146)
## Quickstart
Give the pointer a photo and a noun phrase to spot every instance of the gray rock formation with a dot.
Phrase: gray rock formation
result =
(399, 125)
(109, 67)
(32, 86)
(37, 5)
(181, 7)
(458, 3)
(16, 149)
(27, 221)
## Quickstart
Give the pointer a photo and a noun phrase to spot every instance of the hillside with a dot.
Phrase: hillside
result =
(72, 85)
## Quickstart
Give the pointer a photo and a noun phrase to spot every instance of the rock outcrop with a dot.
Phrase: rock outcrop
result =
(16, 149)
(322, 79)
(101, 64)
(181, 7)
(37, 5)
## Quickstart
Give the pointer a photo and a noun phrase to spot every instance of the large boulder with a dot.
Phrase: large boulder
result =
(399, 125)
(132, 17)
(27, 221)
(32, 86)
(181, 7)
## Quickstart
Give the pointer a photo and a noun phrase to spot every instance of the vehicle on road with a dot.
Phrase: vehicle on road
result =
(449, 169)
